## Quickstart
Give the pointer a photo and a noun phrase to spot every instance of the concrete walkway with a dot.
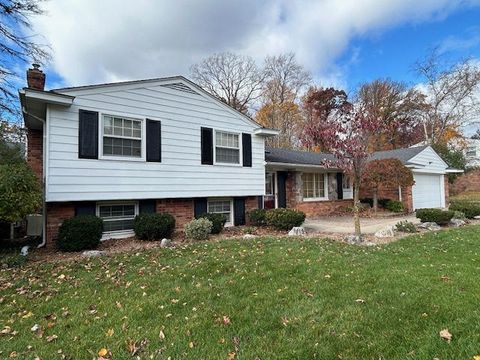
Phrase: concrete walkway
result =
(344, 224)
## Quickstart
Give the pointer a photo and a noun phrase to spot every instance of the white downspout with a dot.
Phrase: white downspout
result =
(44, 205)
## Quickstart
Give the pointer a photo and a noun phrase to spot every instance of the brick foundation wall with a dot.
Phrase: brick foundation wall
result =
(35, 152)
(320, 208)
(468, 182)
(56, 214)
(181, 209)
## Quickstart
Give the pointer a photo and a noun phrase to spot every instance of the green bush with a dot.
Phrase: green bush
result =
(198, 229)
(470, 209)
(218, 221)
(458, 215)
(80, 233)
(394, 206)
(438, 216)
(383, 203)
(153, 226)
(284, 219)
(258, 217)
(406, 226)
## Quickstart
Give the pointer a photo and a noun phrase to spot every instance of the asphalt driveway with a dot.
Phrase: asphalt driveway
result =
(344, 224)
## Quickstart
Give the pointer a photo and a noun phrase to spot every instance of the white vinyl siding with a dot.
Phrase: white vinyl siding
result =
(221, 206)
(314, 186)
(179, 175)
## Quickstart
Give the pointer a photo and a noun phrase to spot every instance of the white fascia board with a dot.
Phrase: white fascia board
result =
(47, 97)
(266, 132)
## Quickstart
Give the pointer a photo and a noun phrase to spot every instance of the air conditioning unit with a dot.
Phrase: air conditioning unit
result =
(34, 225)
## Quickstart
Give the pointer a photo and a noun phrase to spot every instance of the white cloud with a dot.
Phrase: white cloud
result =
(95, 41)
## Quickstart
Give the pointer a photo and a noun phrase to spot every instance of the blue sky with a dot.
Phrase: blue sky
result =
(392, 53)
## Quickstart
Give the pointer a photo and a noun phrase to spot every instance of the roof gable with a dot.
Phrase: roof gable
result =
(176, 83)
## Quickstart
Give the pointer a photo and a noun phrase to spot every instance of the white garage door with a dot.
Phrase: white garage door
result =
(428, 191)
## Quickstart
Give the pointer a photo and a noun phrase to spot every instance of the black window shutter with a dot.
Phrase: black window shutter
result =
(88, 134)
(147, 206)
(85, 208)
(340, 186)
(238, 211)
(207, 146)
(247, 149)
(200, 207)
(154, 141)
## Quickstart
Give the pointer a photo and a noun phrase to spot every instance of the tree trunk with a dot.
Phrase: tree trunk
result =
(375, 201)
(356, 209)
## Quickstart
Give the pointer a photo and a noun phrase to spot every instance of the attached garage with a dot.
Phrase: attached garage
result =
(428, 191)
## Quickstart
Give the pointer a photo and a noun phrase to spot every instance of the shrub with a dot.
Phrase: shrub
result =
(458, 215)
(153, 226)
(249, 230)
(258, 217)
(284, 219)
(394, 206)
(438, 216)
(470, 209)
(368, 201)
(218, 221)
(406, 226)
(198, 229)
(383, 203)
(80, 233)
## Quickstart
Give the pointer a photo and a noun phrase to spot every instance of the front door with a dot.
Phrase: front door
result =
(282, 189)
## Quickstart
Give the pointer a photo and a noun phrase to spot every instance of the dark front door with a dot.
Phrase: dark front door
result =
(282, 188)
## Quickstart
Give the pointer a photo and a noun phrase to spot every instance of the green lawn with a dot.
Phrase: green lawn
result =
(265, 298)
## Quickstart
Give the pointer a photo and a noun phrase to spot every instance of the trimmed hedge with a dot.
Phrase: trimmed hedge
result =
(394, 206)
(153, 226)
(285, 219)
(470, 209)
(80, 233)
(406, 227)
(438, 216)
(218, 221)
(258, 217)
(198, 229)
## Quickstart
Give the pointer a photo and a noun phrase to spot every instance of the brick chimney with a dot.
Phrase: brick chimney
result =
(35, 78)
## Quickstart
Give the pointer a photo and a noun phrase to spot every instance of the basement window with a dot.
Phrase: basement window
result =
(117, 217)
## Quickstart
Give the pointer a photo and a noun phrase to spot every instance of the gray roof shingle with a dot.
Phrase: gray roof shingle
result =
(287, 156)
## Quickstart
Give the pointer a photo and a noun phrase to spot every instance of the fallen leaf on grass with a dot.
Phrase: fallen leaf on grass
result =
(191, 344)
(445, 335)
(476, 357)
(109, 332)
(136, 347)
(102, 352)
(360, 301)
(231, 355)
(52, 338)
(161, 335)
(226, 320)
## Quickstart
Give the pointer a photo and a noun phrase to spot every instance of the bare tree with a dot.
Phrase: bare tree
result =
(398, 107)
(235, 79)
(285, 79)
(451, 94)
(15, 47)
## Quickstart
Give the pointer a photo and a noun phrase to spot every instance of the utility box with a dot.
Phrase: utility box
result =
(34, 225)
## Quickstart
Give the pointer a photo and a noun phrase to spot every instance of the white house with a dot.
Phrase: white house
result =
(472, 153)
(116, 150)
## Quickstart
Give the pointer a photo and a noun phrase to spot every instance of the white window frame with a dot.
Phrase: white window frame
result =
(325, 184)
(119, 233)
(272, 181)
(143, 156)
(229, 221)
(240, 147)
